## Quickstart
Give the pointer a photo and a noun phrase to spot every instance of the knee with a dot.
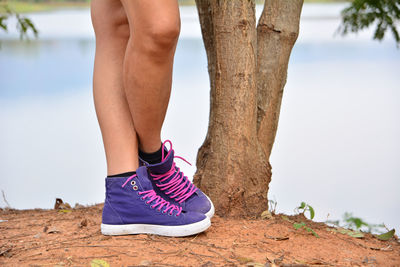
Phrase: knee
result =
(160, 38)
(109, 22)
(165, 35)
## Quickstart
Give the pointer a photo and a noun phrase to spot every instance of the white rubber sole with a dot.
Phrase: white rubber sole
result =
(164, 230)
(211, 212)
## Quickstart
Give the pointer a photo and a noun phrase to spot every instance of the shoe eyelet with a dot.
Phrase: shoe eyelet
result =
(138, 193)
(135, 187)
(170, 214)
(142, 198)
(133, 182)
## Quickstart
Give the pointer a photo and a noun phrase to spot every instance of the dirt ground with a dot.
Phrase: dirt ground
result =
(72, 238)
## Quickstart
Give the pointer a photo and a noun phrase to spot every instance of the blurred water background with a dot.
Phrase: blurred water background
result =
(337, 146)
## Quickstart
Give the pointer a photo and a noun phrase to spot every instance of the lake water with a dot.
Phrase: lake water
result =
(337, 146)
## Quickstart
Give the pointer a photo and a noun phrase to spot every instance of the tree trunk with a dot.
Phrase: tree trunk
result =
(233, 162)
(277, 31)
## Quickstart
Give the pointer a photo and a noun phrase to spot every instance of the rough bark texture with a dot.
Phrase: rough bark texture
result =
(232, 163)
(277, 31)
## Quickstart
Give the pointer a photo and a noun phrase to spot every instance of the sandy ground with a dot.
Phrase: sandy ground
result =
(58, 238)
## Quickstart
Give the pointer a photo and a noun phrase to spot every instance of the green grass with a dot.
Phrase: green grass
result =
(27, 7)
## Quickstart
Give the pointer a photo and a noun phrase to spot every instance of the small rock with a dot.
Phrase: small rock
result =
(266, 215)
(255, 264)
(64, 206)
(60, 205)
(145, 263)
(53, 230)
(244, 260)
(38, 235)
(45, 229)
(208, 264)
(78, 206)
(83, 223)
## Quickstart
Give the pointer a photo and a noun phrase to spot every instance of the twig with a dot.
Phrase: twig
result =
(159, 264)
(194, 238)
(170, 252)
(276, 238)
(97, 256)
(30, 256)
(55, 243)
(197, 256)
(223, 257)
(201, 255)
(16, 237)
(5, 200)
(207, 245)
(3, 252)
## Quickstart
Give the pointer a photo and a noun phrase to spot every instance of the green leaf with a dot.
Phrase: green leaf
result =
(312, 231)
(302, 205)
(356, 234)
(3, 20)
(298, 225)
(312, 212)
(386, 236)
(362, 14)
(358, 222)
(99, 263)
(64, 211)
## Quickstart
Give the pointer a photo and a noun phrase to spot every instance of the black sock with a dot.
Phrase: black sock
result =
(124, 174)
(152, 158)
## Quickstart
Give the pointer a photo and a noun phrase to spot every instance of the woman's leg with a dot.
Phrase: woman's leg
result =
(147, 73)
(112, 33)
(137, 71)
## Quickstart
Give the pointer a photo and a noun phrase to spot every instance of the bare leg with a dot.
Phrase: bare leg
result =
(147, 75)
(119, 136)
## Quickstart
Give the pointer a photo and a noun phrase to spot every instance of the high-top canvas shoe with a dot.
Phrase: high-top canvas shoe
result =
(133, 207)
(170, 183)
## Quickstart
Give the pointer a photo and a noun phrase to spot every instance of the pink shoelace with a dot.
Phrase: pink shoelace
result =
(179, 186)
(159, 201)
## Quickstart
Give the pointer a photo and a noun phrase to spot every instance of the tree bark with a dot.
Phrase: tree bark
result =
(277, 31)
(232, 163)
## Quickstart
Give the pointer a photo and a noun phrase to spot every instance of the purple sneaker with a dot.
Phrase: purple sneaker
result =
(133, 207)
(170, 183)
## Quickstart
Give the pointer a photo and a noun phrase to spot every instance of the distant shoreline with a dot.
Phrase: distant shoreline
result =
(30, 6)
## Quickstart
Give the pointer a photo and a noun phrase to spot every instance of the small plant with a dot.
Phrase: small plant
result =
(357, 223)
(305, 207)
(298, 226)
(302, 210)
(272, 205)
(24, 25)
(353, 226)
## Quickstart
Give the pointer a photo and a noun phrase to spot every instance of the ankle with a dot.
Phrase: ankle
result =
(123, 174)
(150, 145)
(153, 157)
